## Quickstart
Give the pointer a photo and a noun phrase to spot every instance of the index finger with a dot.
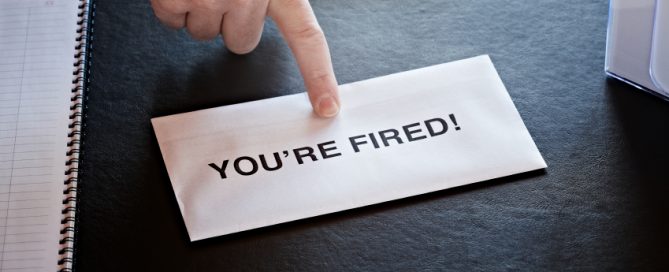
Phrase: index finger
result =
(297, 23)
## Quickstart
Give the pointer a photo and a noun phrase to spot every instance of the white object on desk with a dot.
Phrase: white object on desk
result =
(448, 125)
(637, 49)
(42, 64)
(659, 58)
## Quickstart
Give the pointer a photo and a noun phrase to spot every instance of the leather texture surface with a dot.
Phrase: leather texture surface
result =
(600, 206)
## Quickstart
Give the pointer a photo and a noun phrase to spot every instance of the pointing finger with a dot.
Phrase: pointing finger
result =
(298, 24)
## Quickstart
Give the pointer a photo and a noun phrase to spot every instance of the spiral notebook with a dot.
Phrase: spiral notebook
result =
(43, 64)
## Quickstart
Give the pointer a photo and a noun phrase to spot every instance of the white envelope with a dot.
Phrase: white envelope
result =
(456, 123)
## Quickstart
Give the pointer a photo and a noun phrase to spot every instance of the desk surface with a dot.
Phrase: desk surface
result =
(601, 205)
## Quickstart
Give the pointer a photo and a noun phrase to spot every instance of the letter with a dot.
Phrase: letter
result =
(410, 133)
(254, 166)
(310, 154)
(277, 158)
(221, 170)
(324, 150)
(394, 135)
(355, 143)
(374, 142)
(433, 133)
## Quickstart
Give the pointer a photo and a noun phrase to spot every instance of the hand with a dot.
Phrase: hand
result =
(240, 22)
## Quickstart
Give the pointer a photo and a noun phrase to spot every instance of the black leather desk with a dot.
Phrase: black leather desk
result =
(601, 205)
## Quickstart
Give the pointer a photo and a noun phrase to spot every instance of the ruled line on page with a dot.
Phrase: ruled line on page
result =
(37, 40)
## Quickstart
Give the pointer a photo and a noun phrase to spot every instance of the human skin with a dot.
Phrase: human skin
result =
(240, 23)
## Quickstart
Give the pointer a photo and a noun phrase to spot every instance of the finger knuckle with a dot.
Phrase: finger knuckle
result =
(320, 79)
(201, 35)
(239, 3)
(205, 4)
(242, 44)
(241, 48)
(170, 6)
(292, 3)
(309, 32)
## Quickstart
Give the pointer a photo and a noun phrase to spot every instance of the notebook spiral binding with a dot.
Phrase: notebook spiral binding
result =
(79, 82)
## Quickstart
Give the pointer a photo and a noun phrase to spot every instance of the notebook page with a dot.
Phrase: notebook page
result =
(37, 40)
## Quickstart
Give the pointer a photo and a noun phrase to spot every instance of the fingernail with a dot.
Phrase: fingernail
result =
(327, 106)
